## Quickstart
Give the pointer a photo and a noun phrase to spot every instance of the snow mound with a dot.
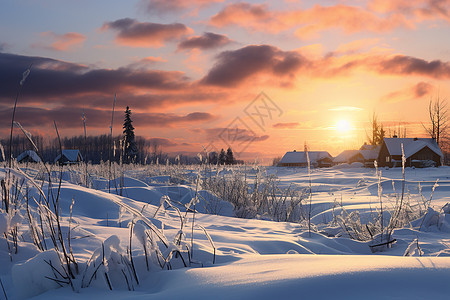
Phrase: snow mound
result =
(32, 277)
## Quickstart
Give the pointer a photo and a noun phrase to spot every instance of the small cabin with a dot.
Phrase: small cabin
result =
(419, 152)
(318, 159)
(28, 156)
(348, 157)
(68, 157)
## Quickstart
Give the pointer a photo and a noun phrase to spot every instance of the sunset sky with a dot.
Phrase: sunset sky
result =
(261, 77)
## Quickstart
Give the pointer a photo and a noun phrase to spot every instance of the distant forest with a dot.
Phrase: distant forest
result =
(95, 149)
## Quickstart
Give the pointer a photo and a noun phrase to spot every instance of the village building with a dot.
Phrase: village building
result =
(28, 156)
(419, 152)
(348, 157)
(370, 154)
(318, 159)
(68, 157)
(366, 155)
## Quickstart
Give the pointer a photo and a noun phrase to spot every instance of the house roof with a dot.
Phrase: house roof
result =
(295, 157)
(345, 156)
(370, 154)
(71, 155)
(369, 147)
(411, 146)
(33, 155)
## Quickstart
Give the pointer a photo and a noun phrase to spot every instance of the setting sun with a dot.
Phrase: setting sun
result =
(343, 126)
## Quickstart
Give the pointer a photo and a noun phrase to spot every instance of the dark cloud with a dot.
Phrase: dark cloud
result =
(408, 65)
(208, 40)
(55, 79)
(156, 7)
(422, 89)
(145, 34)
(151, 101)
(32, 117)
(234, 67)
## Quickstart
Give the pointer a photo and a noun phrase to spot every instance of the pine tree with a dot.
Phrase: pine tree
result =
(222, 157)
(229, 160)
(213, 158)
(129, 143)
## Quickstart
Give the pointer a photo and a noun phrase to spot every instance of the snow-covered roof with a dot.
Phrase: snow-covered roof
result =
(345, 156)
(411, 146)
(369, 147)
(71, 155)
(295, 157)
(370, 154)
(30, 153)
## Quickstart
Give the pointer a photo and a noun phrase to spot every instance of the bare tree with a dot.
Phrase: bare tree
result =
(438, 113)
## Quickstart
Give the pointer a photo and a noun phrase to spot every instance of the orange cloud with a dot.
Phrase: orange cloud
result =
(350, 19)
(145, 34)
(309, 22)
(62, 42)
(254, 16)
(420, 9)
(355, 46)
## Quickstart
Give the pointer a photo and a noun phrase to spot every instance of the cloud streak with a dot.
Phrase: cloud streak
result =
(416, 91)
(70, 118)
(133, 33)
(206, 41)
(286, 125)
(155, 7)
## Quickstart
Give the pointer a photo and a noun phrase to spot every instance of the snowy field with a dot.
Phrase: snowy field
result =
(355, 234)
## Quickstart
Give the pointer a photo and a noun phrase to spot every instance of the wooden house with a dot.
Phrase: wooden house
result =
(418, 152)
(348, 157)
(318, 159)
(28, 156)
(69, 157)
(366, 155)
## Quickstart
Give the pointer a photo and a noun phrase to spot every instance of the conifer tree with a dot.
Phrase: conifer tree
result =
(222, 157)
(229, 160)
(129, 143)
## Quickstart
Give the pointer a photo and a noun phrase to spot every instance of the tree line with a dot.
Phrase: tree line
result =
(126, 148)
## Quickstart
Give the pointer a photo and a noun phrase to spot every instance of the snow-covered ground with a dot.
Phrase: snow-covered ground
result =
(247, 258)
